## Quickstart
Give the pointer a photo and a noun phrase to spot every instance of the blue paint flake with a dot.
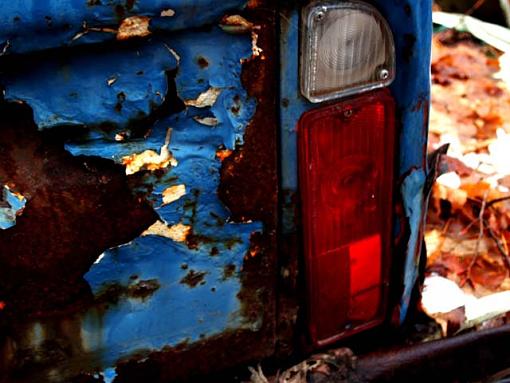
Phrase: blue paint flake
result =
(412, 192)
(11, 205)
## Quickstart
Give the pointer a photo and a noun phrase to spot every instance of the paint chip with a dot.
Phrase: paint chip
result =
(177, 233)
(209, 121)
(173, 53)
(236, 24)
(256, 51)
(173, 193)
(205, 99)
(167, 12)
(134, 26)
(149, 159)
(100, 258)
(11, 206)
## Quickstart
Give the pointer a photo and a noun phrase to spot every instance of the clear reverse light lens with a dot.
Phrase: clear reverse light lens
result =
(346, 48)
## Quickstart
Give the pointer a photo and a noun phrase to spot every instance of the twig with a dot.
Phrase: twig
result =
(480, 236)
(466, 229)
(446, 226)
(500, 247)
(497, 200)
(491, 202)
(477, 5)
(505, 245)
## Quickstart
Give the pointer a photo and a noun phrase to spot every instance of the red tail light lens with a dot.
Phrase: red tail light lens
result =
(346, 176)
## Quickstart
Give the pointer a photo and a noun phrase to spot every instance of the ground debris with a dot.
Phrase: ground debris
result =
(467, 233)
(336, 365)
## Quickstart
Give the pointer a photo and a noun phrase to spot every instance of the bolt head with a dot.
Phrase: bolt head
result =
(384, 74)
(320, 15)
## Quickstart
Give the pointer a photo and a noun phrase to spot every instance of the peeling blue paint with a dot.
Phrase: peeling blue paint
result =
(412, 188)
(80, 89)
(11, 205)
(109, 375)
(411, 24)
(57, 23)
(175, 312)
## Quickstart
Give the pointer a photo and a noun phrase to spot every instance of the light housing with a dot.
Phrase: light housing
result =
(346, 48)
(346, 160)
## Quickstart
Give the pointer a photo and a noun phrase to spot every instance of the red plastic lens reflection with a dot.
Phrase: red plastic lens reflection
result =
(346, 175)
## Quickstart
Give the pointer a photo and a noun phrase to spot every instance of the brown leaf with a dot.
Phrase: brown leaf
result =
(489, 272)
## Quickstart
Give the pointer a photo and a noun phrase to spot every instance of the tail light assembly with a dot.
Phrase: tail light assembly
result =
(346, 162)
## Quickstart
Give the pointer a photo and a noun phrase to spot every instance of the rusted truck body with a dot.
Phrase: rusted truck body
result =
(154, 224)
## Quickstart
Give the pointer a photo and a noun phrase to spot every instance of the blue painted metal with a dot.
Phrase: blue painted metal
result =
(176, 312)
(11, 204)
(411, 25)
(31, 25)
(78, 89)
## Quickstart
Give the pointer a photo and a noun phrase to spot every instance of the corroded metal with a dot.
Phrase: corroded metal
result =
(66, 24)
(145, 234)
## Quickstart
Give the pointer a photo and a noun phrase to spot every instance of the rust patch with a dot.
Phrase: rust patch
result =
(202, 62)
(223, 154)
(228, 271)
(74, 199)
(249, 186)
(193, 278)
(248, 176)
(255, 4)
(111, 293)
(179, 363)
(143, 289)
(134, 26)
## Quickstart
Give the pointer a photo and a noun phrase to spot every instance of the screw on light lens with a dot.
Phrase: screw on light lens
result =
(384, 74)
(319, 16)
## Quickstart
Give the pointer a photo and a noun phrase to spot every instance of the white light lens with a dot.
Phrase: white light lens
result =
(346, 48)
